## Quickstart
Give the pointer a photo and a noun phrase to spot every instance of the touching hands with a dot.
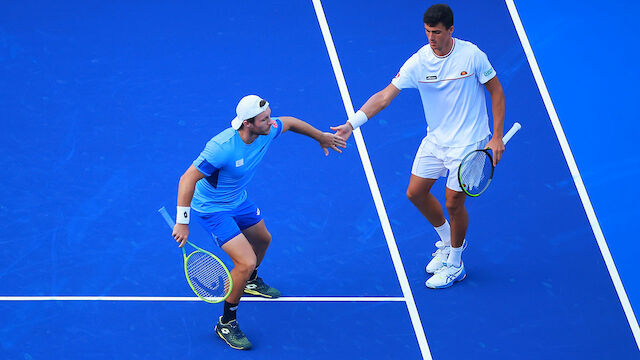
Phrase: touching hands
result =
(328, 140)
(343, 131)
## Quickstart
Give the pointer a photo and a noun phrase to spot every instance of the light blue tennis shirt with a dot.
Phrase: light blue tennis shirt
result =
(229, 164)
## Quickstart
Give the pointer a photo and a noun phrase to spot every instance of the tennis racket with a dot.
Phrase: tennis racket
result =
(476, 169)
(207, 275)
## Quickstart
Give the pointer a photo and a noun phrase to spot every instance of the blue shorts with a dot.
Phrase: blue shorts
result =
(225, 225)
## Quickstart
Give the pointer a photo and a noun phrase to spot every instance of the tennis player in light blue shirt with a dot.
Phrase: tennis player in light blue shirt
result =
(214, 189)
(229, 164)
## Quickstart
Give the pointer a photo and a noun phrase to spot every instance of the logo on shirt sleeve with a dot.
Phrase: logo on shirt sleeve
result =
(239, 162)
(488, 72)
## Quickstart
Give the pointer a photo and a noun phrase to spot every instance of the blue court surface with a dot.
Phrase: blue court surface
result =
(105, 104)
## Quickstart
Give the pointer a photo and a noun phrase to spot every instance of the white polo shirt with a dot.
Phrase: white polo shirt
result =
(452, 92)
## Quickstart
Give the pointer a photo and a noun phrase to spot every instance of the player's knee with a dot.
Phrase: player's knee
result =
(251, 264)
(454, 204)
(267, 239)
(451, 206)
(247, 264)
(413, 195)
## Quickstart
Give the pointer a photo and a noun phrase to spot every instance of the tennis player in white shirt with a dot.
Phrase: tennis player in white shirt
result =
(450, 75)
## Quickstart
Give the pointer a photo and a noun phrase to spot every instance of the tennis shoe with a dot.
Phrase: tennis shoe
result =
(440, 256)
(232, 335)
(446, 276)
(258, 287)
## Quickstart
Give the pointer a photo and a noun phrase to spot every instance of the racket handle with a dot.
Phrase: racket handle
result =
(167, 217)
(514, 129)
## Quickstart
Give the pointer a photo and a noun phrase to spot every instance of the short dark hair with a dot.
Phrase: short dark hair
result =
(439, 13)
(262, 102)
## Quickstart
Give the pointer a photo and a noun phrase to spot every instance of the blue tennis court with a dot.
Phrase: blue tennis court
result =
(104, 105)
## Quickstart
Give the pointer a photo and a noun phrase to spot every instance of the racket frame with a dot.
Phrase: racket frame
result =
(505, 139)
(486, 151)
(167, 218)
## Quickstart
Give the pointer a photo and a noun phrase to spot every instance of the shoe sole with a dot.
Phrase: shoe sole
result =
(253, 292)
(228, 343)
(449, 284)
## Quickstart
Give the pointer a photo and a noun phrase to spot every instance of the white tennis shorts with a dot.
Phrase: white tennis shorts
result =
(434, 161)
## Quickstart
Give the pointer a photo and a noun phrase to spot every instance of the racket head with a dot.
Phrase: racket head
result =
(207, 276)
(475, 172)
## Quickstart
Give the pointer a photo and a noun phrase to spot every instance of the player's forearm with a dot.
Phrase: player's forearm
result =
(375, 104)
(497, 104)
(186, 188)
(300, 127)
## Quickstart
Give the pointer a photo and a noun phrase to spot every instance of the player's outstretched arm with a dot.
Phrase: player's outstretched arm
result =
(186, 187)
(326, 140)
(371, 108)
(497, 103)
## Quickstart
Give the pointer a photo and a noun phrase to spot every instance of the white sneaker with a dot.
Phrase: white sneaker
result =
(440, 256)
(446, 276)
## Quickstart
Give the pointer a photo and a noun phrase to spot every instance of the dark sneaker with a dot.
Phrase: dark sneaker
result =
(259, 288)
(232, 335)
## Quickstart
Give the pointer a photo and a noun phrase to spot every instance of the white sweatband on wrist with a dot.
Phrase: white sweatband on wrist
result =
(183, 215)
(358, 119)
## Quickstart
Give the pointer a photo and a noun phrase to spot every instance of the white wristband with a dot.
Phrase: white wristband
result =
(358, 119)
(183, 215)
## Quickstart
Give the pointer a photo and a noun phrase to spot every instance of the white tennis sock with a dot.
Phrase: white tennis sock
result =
(455, 256)
(444, 231)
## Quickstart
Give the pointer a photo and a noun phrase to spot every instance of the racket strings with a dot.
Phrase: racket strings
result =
(476, 171)
(207, 276)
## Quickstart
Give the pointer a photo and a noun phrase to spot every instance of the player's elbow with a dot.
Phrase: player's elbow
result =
(496, 91)
(192, 175)
(498, 95)
(185, 180)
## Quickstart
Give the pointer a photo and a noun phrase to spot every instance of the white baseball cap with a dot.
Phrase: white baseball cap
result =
(248, 107)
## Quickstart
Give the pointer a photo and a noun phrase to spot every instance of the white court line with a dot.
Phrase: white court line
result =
(373, 185)
(573, 167)
(195, 298)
